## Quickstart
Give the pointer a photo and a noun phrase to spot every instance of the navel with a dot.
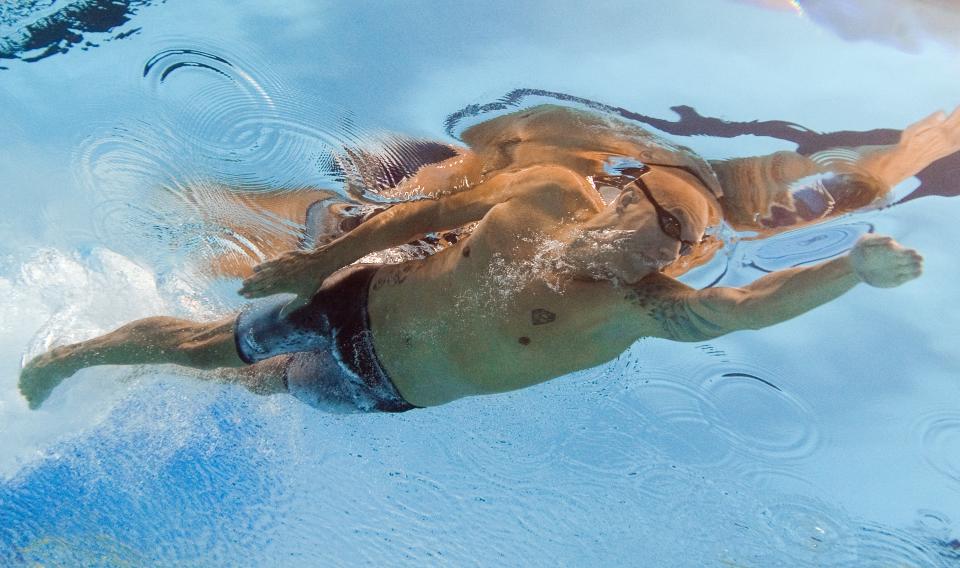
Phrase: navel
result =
(466, 252)
(524, 340)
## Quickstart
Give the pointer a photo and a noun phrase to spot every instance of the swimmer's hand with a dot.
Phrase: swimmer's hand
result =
(882, 262)
(296, 272)
(922, 143)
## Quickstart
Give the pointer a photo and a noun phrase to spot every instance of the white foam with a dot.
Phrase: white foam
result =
(58, 298)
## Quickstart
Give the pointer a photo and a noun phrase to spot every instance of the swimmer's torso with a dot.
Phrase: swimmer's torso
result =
(489, 315)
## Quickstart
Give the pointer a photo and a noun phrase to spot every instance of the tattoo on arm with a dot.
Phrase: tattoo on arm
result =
(665, 302)
(540, 316)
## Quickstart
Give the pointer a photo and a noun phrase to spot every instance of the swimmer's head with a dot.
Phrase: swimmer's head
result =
(656, 218)
(661, 199)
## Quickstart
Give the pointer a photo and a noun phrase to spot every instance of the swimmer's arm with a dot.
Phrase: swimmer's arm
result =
(685, 314)
(302, 272)
(407, 222)
(922, 143)
(762, 193)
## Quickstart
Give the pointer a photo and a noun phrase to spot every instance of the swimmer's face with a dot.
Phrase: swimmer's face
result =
(655, 222)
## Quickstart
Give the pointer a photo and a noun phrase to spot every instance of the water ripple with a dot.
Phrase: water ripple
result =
(803, 531)
(885, 546)
(178, 185)
(938, 434)
(804, 246)
(755, 414)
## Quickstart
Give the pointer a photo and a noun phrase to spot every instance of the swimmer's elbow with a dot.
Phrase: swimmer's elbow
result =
(720, 311)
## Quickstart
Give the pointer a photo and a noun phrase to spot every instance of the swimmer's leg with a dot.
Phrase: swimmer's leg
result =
(153, 340)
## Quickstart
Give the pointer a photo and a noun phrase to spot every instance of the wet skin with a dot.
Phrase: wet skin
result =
(552, 279)
(473, 319)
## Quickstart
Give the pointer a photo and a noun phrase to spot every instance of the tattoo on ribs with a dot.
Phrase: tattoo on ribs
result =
(393, 277)
(540, 316)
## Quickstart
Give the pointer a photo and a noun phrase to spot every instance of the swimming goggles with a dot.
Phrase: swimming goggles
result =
(668, 222)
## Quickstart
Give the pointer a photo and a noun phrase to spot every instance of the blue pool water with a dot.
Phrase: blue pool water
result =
(845, 452)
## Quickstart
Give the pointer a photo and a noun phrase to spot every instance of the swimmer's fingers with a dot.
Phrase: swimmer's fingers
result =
(873, 240)
(952, 124)
(882, 262)
(934, 137)
(264, 283)
(931, 121)
(904, 272)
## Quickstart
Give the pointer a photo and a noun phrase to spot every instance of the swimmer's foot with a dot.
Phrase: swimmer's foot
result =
(43, 373)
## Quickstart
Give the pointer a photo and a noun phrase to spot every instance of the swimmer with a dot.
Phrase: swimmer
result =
(554, 278)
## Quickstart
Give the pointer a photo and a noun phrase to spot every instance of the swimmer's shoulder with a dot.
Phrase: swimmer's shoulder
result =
(523, 124)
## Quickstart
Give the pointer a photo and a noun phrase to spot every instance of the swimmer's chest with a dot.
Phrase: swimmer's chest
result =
(492, 314)
(519, 333)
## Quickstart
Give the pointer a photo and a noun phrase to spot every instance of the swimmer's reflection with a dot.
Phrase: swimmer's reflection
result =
(551, 279)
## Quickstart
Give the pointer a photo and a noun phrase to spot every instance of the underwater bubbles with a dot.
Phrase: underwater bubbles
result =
(807, 532)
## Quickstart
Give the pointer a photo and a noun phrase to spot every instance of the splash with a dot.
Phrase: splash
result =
(57, 298)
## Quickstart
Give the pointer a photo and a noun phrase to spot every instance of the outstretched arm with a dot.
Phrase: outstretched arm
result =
(697, 315)
(785, 189)
(302, 272)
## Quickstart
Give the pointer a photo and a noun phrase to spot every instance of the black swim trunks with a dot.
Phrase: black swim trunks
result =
(332, 361)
